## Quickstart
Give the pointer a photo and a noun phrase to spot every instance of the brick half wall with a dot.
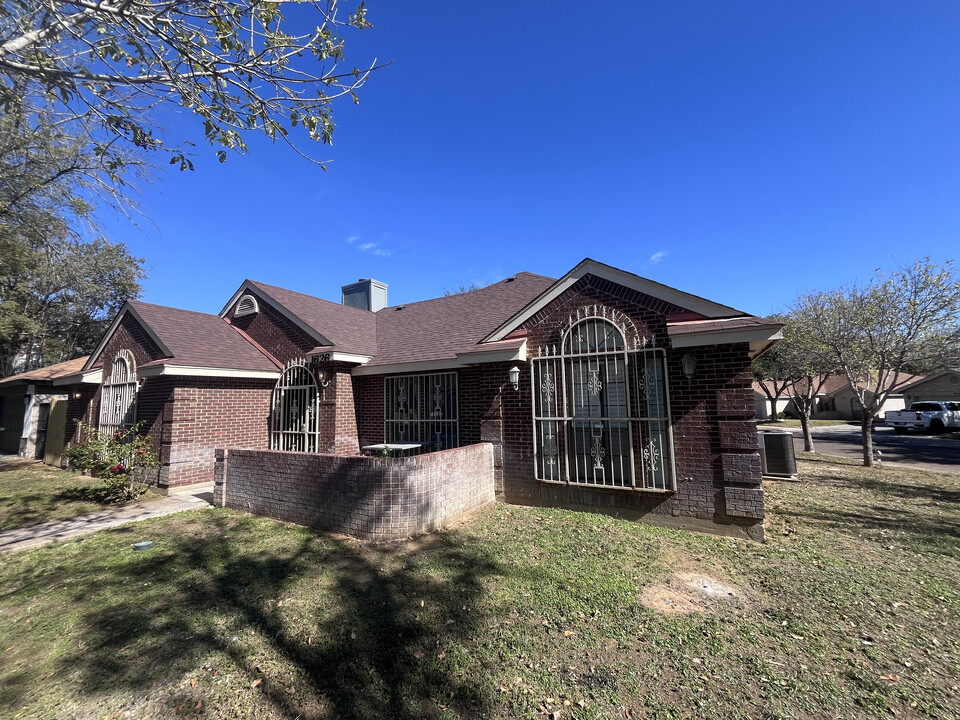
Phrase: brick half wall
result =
(368, 497)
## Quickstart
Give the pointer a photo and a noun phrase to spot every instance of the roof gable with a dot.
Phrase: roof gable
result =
(693, 303)
(330, 324)
(190, 339)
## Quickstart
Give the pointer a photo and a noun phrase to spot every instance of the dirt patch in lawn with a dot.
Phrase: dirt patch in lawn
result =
(691, 592)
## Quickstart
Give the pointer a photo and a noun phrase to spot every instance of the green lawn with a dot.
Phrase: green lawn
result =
(849, 610)
(791, 423)
(32, 493)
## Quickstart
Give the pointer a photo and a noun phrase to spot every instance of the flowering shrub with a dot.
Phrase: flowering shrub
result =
(118, 458)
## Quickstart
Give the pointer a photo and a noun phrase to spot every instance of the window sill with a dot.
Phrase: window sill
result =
(587, 486)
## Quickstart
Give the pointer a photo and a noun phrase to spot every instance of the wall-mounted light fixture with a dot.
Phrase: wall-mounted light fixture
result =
(322, 376)
(515, 377)
(76, 394)
(689, 363)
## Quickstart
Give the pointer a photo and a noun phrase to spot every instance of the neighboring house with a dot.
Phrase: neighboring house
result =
(34, 417)
(839, 402)
(762, 401)
(601, 389)
(943, 385)
(835, 401)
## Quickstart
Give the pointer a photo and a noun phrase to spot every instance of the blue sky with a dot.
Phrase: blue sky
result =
(742, 151)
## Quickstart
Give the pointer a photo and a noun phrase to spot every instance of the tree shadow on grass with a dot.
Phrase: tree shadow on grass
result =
(925, 514)
(330, 627)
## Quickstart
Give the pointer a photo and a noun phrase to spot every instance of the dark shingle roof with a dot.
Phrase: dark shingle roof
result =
(438, 329)
(197, 339)
(348, 329)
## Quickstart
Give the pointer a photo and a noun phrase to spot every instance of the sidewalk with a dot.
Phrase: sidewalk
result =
(32, 537)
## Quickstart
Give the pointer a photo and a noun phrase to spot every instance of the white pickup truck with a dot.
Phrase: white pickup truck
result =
(931, 416)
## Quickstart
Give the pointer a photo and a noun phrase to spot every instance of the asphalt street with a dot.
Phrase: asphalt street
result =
(933, 452)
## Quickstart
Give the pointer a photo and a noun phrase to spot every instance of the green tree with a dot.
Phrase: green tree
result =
(57, 296)
(239, 65)
(875, 335)
(57, 287)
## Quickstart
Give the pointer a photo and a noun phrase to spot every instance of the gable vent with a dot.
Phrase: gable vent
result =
(247, 306)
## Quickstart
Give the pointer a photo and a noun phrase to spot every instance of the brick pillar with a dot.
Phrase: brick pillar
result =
(739, 454)
(338, 417)
(346, 440)
(165, 450)
(220, 478)
(491, 431)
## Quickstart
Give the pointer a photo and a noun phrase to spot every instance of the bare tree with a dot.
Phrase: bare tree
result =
(772, 375)
(796, 368)
(895, 325)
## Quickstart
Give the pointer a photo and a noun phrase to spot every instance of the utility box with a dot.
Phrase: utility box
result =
(777, 457)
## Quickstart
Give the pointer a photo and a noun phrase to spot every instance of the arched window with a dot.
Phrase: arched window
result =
(118, 400)
(295, 414)
(601, 415)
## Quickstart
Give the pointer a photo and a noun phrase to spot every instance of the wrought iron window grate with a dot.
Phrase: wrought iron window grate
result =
(421, 409)
(600, 409)
(118, 399)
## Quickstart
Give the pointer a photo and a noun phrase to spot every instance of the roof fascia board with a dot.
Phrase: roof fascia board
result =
(726, 337)
(621, 277)
(192, 371)
(350, 358)
(94, 377)
(404, 368)
(249, 287)
(127, 308)
(493, 355)
(462, 360)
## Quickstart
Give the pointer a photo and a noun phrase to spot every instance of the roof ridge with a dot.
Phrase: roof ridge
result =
(170, 307)
(461, 295)
(267, 286)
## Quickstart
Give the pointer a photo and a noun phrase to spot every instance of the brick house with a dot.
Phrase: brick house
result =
(601, 389)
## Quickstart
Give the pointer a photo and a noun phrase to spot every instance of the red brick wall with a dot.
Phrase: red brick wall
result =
(368, 408)
(380, 498)
(273, 332)
(79, 410)
(209, 413)
(131, 336)
(343, 432)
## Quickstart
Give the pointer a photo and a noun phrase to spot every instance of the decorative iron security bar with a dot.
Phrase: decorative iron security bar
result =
(118, 400)
(421, 409)
(601, 413)
(295, 410)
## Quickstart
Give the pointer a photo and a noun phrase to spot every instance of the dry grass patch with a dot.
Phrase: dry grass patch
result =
(33, 493)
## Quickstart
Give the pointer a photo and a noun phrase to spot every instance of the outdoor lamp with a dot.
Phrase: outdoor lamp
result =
(689, 363)
(515, 377)
(322, 377)
(76, 394)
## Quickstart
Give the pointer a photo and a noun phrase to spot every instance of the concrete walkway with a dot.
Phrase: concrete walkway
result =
(31, 537)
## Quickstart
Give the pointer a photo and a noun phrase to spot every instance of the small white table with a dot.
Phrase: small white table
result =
(399, 448)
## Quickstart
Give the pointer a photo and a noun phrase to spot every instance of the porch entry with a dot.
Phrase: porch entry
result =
(295, 409)
(601, 411)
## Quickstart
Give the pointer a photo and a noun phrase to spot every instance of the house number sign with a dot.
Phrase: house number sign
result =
(316, 359)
